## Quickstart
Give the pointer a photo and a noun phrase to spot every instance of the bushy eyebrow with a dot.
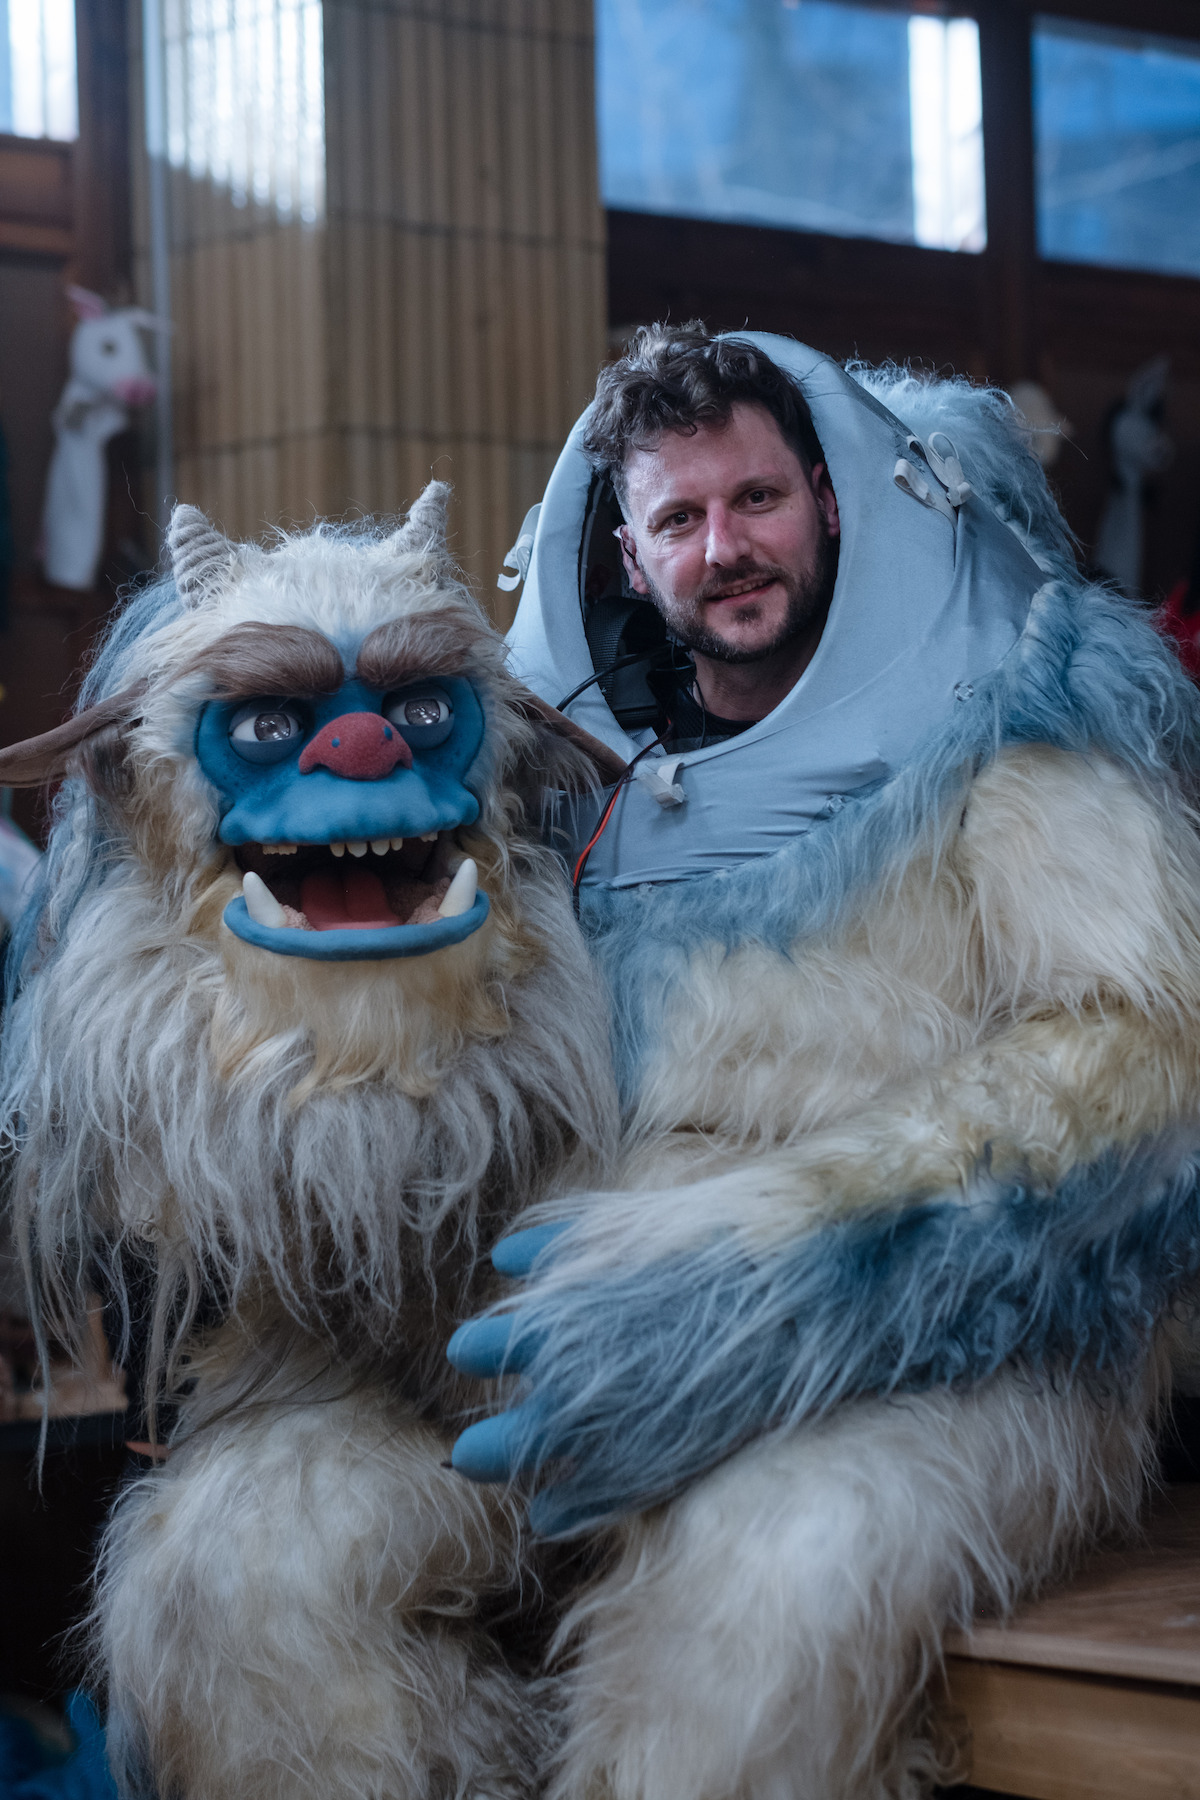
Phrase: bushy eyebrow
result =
(254, 659)
(403, 649)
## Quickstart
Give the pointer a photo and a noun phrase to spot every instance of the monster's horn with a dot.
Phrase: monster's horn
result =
(45, 758)
(424, 530)
(201, 556)
(609, 766)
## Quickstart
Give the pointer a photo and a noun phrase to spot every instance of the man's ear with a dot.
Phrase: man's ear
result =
(826, 499)
(628, 543)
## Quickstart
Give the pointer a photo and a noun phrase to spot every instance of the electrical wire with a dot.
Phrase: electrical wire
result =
(622, 662)
(606, 815)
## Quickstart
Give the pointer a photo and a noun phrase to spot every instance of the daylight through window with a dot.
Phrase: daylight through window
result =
(38, 94)
(816, 116)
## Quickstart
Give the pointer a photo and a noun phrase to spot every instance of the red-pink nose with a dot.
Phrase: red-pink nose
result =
(360, 746)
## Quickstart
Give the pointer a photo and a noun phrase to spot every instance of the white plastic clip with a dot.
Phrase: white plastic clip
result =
(910, 479)
(518, 557)
(658, 779)
(943, 460)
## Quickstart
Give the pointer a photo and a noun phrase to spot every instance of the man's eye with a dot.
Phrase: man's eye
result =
(262, 732)
(758, 495)
(424, 717)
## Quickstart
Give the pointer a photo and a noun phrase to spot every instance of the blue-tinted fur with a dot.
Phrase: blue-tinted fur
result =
(1089, 673)
(80, 851)
(646, 1380)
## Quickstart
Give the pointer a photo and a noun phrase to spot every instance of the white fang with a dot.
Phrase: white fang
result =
(460, 895)
(261, 903)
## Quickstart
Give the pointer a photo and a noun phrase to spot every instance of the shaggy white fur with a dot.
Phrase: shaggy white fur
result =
(326, 1150)
(774, 1633)
(1017, 997)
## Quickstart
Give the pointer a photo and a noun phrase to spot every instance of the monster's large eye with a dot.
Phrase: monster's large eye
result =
(266, 731)
(423, 715)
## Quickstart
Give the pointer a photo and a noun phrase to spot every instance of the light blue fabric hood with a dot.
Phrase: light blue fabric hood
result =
(932, 593)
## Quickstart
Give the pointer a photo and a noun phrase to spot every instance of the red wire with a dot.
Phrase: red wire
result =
(606, 815)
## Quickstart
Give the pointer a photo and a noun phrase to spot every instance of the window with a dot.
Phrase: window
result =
(38, 96)
(245, 103)
(816, 116)
(1117, 121)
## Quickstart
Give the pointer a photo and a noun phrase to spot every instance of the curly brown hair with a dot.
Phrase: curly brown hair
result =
(679, 377)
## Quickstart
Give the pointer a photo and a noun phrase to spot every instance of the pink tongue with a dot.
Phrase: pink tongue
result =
(352, 900)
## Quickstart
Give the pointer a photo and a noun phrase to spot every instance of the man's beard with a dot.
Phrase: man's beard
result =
(808, 597)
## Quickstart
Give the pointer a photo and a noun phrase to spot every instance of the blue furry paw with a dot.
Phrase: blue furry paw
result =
(517, 1253)
(499, 1449)
(492, 1346)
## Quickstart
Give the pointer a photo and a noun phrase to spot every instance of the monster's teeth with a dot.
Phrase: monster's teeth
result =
(261, 903)
(460, 895)
(286, 849)
(381, 846)
(357, 848)
(397, 843)
(428, 837)
(337, 849)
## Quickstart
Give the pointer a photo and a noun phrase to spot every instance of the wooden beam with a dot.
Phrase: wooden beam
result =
(1008, 267)
(1048, 1735)
(103, 208)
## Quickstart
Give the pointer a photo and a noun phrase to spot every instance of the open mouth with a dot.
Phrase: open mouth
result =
(397, 896)
(355, 886)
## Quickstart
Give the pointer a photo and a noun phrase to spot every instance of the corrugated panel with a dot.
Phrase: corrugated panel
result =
(442, 310)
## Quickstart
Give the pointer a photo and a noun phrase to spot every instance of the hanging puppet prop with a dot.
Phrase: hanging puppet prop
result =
(110, 376)
(1139, 449)
(311, 997)
(871, 1330)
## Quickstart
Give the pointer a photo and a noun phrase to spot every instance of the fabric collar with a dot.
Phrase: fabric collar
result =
(932, 593)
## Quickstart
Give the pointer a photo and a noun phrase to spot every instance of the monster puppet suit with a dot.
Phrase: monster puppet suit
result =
(301, 1023)
(873, 1328)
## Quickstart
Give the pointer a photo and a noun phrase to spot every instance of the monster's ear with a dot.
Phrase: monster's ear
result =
(423, 533)
(45, 758)
(201, 556)
(608, 765)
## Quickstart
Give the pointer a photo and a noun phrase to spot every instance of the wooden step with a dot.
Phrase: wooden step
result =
(1093, 1691)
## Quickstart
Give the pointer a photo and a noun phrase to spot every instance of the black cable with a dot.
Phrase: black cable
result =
(622, 662)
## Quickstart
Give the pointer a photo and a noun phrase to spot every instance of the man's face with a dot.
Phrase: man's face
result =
(731, 536)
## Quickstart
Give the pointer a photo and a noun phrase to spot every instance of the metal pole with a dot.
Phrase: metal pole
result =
(160, 249)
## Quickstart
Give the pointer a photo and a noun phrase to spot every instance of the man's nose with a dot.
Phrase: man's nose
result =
(725, 543)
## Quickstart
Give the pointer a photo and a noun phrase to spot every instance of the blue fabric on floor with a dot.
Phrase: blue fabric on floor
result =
(30, 1771)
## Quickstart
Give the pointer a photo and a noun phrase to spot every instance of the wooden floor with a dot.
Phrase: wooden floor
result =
(1093, 1692)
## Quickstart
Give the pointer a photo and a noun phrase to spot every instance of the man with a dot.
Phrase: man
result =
(905, 979)
(732, 529)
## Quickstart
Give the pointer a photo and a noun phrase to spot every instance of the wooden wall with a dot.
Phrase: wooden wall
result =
(467, 251)
(446, 316)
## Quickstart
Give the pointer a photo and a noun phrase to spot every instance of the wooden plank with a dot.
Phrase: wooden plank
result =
(1131, 1612)
(36, 240)
(1051, 1736)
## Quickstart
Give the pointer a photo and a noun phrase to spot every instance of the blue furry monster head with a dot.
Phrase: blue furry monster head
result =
(319, 733)
(297, 991)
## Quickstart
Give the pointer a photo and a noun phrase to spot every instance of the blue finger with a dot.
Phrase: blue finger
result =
(516, 1254)
(481, 1346)
(496, 1449)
